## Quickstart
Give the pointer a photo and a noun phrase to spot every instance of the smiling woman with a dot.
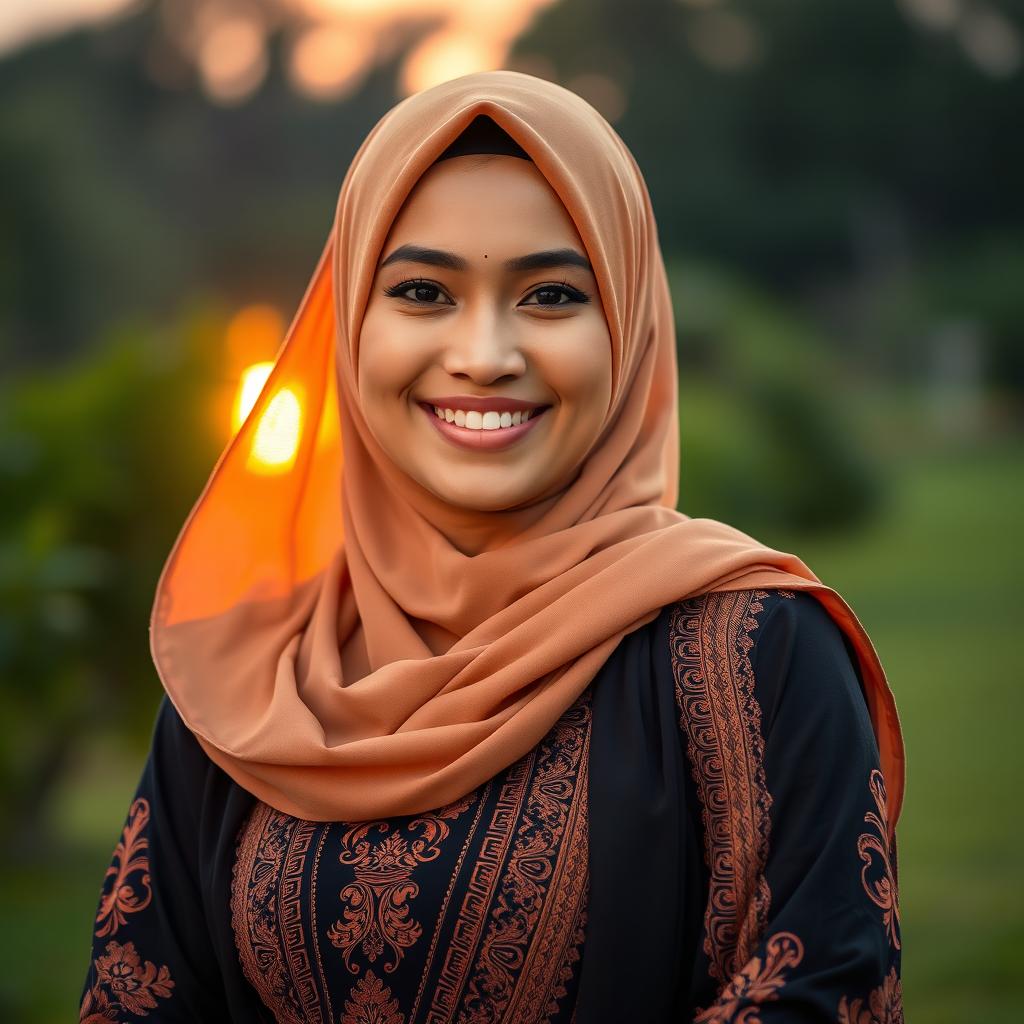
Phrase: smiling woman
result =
(490, 334)
(464, 720)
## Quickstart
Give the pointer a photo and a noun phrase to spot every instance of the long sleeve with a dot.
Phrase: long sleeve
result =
(801, 919)
(152, 953)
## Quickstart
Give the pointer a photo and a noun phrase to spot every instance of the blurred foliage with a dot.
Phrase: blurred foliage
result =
(849, 134)
(849, 146)
(981, 279)
(119, 196)
(98, 464)
(767, 440)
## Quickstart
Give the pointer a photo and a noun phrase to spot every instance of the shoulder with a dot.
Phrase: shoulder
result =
(755, 613)
(178, 771)
(781, 645)
(173, 741)
(196, 807)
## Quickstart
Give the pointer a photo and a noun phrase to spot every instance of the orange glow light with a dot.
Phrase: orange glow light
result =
(249, 388)
(328, 61)
(253, 335)
(275, 440)
(232, 58)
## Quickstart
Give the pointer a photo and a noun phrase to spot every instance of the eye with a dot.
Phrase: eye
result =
(425, 293)
(554, 294)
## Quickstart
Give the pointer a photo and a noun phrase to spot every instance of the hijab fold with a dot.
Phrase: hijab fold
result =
(331, 649)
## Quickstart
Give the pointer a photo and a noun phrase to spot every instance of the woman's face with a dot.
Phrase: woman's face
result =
(483, 310)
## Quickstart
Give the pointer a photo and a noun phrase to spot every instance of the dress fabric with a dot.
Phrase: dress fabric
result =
(473, 912)
(700, 837)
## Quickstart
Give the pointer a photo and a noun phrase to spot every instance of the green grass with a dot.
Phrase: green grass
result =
(47, 907)
(936, 581)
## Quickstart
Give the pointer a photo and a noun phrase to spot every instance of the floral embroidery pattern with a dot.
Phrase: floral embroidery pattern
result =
(500, 939)
(371, 1003)
(478, 892)
(533, 920)
(758, 982)
(884, 1005)
(267, 901)
(882, 891)
(377, 910)
(124, 982)
(119, 897)
(97, 1008)
(710, 641)
(572, 956)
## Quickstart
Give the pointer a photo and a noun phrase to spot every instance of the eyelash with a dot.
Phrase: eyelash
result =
(396, 291)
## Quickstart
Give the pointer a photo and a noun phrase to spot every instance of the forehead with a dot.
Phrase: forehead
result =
(494, 200)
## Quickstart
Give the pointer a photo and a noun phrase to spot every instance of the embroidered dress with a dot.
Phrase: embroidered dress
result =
(474, 912)
(701, 837)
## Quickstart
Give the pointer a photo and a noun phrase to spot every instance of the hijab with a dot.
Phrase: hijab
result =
(308, 542)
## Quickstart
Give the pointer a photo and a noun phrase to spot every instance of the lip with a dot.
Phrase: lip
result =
(484, 440)
(476, 403)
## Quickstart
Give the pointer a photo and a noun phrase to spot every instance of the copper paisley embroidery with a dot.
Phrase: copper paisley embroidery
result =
(572, 954)
(97, 1008)
(710, 643)
(882, 891)
(129, 859)
(758, 982)
(124, 982)
(371, 1003)
(376, 910)
(266, 914)
(485, 874)
(884, 1005)
(533, 918)
(505, 941)
(525, 904)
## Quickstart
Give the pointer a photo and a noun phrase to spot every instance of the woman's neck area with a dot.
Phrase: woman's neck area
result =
(473, 532)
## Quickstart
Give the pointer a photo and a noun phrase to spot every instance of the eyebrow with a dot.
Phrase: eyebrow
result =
(544, 260)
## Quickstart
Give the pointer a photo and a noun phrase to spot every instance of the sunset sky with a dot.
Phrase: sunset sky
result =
(332, 43)
(24, 20)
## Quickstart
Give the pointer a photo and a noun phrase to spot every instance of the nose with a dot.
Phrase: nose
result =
(481, 347)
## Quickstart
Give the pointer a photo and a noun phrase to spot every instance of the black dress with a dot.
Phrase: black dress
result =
(700, 837)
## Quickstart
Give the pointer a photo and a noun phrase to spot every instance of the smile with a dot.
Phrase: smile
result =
(481, 421)
(483, 431)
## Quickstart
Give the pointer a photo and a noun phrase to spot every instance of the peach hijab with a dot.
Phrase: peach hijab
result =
(307, 541)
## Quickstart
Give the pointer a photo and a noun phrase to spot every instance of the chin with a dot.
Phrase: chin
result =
(480, 503)
(481, 498)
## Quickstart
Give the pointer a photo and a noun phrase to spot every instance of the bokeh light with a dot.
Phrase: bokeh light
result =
(328, 61)
(232, 57)
(249, 388)
(275, 441)
(253, 335)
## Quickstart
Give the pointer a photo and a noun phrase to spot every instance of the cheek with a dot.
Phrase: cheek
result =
(388, 358)
(578, 368)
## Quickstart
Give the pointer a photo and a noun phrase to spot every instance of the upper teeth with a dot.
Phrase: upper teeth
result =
(482, 421)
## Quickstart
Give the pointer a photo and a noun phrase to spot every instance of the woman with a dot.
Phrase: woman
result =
(471, 724)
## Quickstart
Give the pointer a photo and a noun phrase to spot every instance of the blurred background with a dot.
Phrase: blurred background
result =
(838, 188)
